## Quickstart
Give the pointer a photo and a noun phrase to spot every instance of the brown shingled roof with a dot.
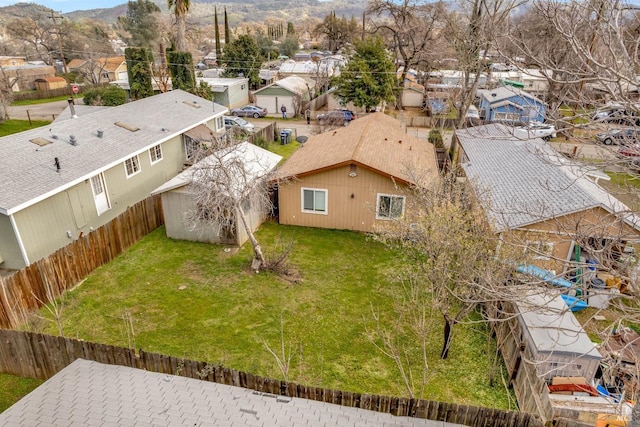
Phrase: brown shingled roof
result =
(375, 141)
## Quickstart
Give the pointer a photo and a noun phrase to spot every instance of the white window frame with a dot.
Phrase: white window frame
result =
(391, 197)
(135, 166)
(157, 151)
(219, 124)
(191, 147)
(314, 211)
(541, 250)
(509, 117)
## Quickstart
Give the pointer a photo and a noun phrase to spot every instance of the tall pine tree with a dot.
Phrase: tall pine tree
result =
(218, 50)
(139, 60)
(227, 31)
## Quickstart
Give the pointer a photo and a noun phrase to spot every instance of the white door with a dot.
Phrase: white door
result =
(99, 193)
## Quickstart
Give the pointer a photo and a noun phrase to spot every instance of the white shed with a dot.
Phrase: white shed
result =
(558, 343)
(178, 201)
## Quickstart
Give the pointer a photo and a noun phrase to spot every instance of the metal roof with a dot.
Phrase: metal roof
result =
(524, 182)
(27, 171)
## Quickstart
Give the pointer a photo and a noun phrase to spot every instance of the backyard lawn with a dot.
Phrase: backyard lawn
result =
(200, 301)
(13, 389)
(9, 127)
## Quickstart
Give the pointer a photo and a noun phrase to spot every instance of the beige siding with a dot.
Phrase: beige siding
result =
(9, 249)
(351, 201)
(75, 211)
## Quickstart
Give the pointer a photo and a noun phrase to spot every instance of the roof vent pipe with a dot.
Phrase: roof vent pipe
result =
(100, 133)
(72, 139)
(72, 108)
(56, 163)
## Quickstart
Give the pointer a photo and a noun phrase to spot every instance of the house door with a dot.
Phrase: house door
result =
(99, 193)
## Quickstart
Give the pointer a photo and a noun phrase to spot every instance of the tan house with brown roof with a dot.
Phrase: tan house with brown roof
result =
(100, 70)
(355, 177)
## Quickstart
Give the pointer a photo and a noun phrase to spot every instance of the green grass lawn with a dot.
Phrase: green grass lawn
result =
(42, 101)
(9, 127)
(225, 313)
(13, 389)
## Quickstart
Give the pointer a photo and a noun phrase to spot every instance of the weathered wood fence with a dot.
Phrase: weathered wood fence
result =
(33, 355)
(26, 290)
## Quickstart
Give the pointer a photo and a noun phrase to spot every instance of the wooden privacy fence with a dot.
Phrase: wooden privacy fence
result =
(42, 356)
(26, 290)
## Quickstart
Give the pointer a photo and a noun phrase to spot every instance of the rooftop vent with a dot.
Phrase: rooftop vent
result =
(192, 104)
(73, 140)
(100, 133)
(127, 127)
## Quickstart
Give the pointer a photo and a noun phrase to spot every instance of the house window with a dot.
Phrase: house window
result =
(105, 75)
(219, 124)
(540, 250)
(389, 206)
(510, 117)
(314, 200)
(191, 147)
(132, 166)
(156, 154)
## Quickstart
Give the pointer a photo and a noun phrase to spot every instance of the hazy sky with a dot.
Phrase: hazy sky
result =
(65, 6)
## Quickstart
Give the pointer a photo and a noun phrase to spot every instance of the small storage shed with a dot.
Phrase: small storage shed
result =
(559, 345)
(284, 92)
(178, 200)
(49, 83)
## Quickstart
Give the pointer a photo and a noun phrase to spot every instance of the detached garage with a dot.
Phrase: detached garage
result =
(284, 92)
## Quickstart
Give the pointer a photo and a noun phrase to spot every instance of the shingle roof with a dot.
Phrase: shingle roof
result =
(27, 171)
(376, 141)
(505, 92)
(91, 394)
(523, 182)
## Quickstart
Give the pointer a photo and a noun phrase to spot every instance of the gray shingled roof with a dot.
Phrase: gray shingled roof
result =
(90, 394)
(523, 182)
(27, 171)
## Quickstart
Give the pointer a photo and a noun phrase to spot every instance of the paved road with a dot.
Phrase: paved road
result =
(48, 111)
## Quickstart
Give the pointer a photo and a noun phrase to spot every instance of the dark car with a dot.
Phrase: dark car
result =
(249, 111)
(626, 136)
(338, 117)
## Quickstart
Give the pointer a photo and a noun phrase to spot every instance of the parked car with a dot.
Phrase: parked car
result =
(616, 114)
(338, 117)
(249, 111)
(626, 136)
(630, 154)
(535, 129)
(238, 122)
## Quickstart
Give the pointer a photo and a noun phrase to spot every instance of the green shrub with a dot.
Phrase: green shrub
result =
(109, 96)
(435, 137)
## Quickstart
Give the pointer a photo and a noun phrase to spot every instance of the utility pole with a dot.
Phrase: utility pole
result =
(64, 63)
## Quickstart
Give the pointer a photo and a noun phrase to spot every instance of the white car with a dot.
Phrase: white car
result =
(535, 129)
(238, 122)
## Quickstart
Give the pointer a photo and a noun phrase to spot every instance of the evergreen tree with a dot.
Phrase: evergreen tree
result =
(218, 50)
(227, 31)
(141, 22)
(242, 56)
(182, 71)
(369, 76)
(290, 30)
(139, 61)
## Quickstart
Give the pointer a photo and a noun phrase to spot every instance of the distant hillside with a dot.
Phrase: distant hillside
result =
(202, 11)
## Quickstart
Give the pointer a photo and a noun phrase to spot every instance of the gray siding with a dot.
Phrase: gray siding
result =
(74, 210)
(9, 249)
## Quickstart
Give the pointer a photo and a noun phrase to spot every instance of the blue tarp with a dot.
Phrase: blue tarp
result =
(575, 304)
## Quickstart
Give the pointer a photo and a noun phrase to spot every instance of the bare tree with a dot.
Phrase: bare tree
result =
(6, 93)
(38, 32)
(230, 182)
(409, 27)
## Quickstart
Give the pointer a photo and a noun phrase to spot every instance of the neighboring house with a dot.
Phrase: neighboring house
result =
(178, 200)
(232, 93)
(23, 77)
(355, 177)
(100, 70)
(321, 68)
(292, 92)
(532, 79)
(65, 179)
(49, 83)
(12, 61)
(510, 104)
(559, 345)
(455, 78)
(535, 195)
